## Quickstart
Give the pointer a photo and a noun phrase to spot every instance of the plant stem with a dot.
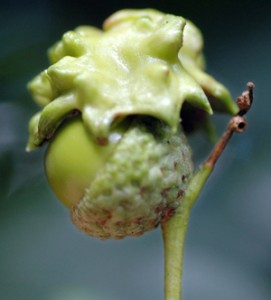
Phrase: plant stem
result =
(174, 230)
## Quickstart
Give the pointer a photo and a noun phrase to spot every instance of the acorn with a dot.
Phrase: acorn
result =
(124, 188)
(111, 103)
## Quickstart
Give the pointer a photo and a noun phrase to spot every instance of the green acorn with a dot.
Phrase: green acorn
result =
(124, 188)
(111, 105)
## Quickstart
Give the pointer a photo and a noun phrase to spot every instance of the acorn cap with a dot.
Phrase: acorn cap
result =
(122, 189)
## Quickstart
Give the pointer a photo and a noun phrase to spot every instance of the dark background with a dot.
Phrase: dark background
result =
(228, 249)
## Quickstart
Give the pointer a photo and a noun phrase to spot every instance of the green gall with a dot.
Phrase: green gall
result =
(111, 102)
(144, 62)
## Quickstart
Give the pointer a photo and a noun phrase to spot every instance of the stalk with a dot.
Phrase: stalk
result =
(174, 230)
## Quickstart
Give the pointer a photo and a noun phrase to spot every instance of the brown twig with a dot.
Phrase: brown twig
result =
(237, 124)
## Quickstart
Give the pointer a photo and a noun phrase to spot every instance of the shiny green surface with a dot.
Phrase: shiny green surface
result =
(72, 161)
(142, 62)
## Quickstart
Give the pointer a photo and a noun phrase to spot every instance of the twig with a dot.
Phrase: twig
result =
(237, 124)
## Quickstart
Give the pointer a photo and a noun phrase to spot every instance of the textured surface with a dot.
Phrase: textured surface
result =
(141, 184)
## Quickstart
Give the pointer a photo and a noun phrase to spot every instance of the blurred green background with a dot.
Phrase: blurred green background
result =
(228, 249)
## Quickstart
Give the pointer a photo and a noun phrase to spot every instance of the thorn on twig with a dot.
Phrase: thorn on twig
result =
(237, 124)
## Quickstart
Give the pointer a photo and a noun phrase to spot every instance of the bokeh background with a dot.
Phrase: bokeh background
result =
(228, 248)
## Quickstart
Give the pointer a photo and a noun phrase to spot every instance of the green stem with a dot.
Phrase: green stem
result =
(174, 232)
